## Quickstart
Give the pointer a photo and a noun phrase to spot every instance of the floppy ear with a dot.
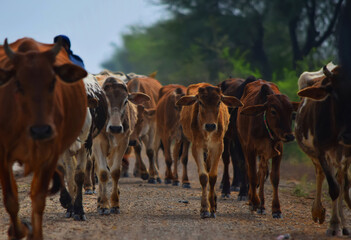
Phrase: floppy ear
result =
(70, 73)
(315, 93)
(138, 98)
(231, 101)
(186, 100)
(5, 76)
(295, 105)
(253, 110)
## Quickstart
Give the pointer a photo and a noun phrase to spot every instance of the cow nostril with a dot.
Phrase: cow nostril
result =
(115, 129)
(39, 132)
(132, 142)
(289, 137)
(210, 127)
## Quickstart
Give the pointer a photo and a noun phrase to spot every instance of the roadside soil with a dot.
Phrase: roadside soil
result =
(158, 211)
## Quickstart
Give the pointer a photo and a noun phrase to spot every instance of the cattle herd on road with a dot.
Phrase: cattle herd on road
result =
(68, 126)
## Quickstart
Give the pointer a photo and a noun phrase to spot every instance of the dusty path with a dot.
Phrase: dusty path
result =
(156, 212)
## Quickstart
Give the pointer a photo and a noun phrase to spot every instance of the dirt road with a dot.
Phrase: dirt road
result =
(158, 212)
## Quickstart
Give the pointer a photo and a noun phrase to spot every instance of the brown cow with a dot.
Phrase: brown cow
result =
(145, 128)
(204, 118)
(168, 129)
(43, 108)
(263, 124)
(323, 131)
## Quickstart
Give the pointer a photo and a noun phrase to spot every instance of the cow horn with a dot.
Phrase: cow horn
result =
(9, 52)
(326, 72)
(57, 47)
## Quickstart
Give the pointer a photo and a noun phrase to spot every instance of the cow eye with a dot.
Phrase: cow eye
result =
(201, 104)
(273, 112)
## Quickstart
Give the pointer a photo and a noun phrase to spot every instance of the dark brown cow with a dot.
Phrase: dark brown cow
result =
(43, 108)
(204, 118)
(323, 131)
(145, 127)
(168, 129)
(263, 124)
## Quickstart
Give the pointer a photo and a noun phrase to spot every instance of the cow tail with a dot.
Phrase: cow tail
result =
(57, 183)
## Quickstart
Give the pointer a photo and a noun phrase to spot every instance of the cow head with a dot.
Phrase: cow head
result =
(209, 100)
(34, 75)
(118, 97)
(277, 114)
(334, 90)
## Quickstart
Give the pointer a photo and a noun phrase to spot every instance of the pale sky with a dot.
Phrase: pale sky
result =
(91, 25)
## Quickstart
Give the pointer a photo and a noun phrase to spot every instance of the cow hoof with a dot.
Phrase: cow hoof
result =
(168, 181)
(115, 210)
(242, 198)
(334, 232)
(234, 188)
(104, 211)
(261, 211)
(253, 208)
(213, 215)
(205, 215)
(159, 180)
(89, 192)
(277, 215)
(345, 232)
(176, 183)
(152, 181)
(79, 217)
(145, 176)
(225, 195)
(68, 214)
(186, 185)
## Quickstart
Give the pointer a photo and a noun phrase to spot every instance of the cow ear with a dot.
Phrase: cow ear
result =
(70, 73)
(134, 85)
(295, 105)
(231, 101)
(315, 93)
(253, 110)
(186, 100)
(5, 76)
(138, 98)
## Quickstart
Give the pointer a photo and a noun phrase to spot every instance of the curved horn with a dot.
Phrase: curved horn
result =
(326, 72)
(9, 52)
(57, 47)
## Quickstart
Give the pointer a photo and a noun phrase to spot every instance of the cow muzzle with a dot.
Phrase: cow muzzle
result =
(41, 132)
(209, 127)
(115, 129)
(289, 137)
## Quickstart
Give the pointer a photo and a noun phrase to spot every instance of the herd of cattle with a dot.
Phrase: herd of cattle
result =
(65, 125)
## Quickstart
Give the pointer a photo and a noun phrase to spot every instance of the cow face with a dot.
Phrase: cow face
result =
(277, 113)
(209, 100)
(118, 97)
(334, 91)
(33, 75)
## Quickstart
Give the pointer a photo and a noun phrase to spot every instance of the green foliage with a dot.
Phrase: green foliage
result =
(303, 188)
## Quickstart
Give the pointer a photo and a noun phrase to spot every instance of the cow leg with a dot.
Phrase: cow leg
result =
(17, 230)
(252, 174)
(214, 156)
(241, 166)
(168, 159)
(176, 151)
(125, 163)
(226, 161)
(184, 159)
(88, 186)
(262, 172)
(235, 187)
(38, 193)
(275, 176)
(149, 141)
(203, 177)
(103, 207)
(318, 211)
(140, 168)
(116, 158)
(333, 186)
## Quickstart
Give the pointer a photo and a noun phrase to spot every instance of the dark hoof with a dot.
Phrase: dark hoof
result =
(186, 185)
(145, 176)
(115, 210)
(242, 198)
(213, 215)
(89, 192)
(345, 232)
(234, 188)
(104, 211)
(253, 208)
(176, 183)
(28, 226)
(205, 215)
(334, 232)
(159, 180)
(261, 211)
(68, 214)
(277, 215)
(225, 195)
(168, 181)
(152, 181)
(79, 217)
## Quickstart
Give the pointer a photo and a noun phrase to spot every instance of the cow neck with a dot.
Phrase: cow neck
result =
(270, 133)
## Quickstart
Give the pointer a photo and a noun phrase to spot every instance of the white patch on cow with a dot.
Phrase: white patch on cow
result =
(91, 86)
(308, 142)
(306, 77)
